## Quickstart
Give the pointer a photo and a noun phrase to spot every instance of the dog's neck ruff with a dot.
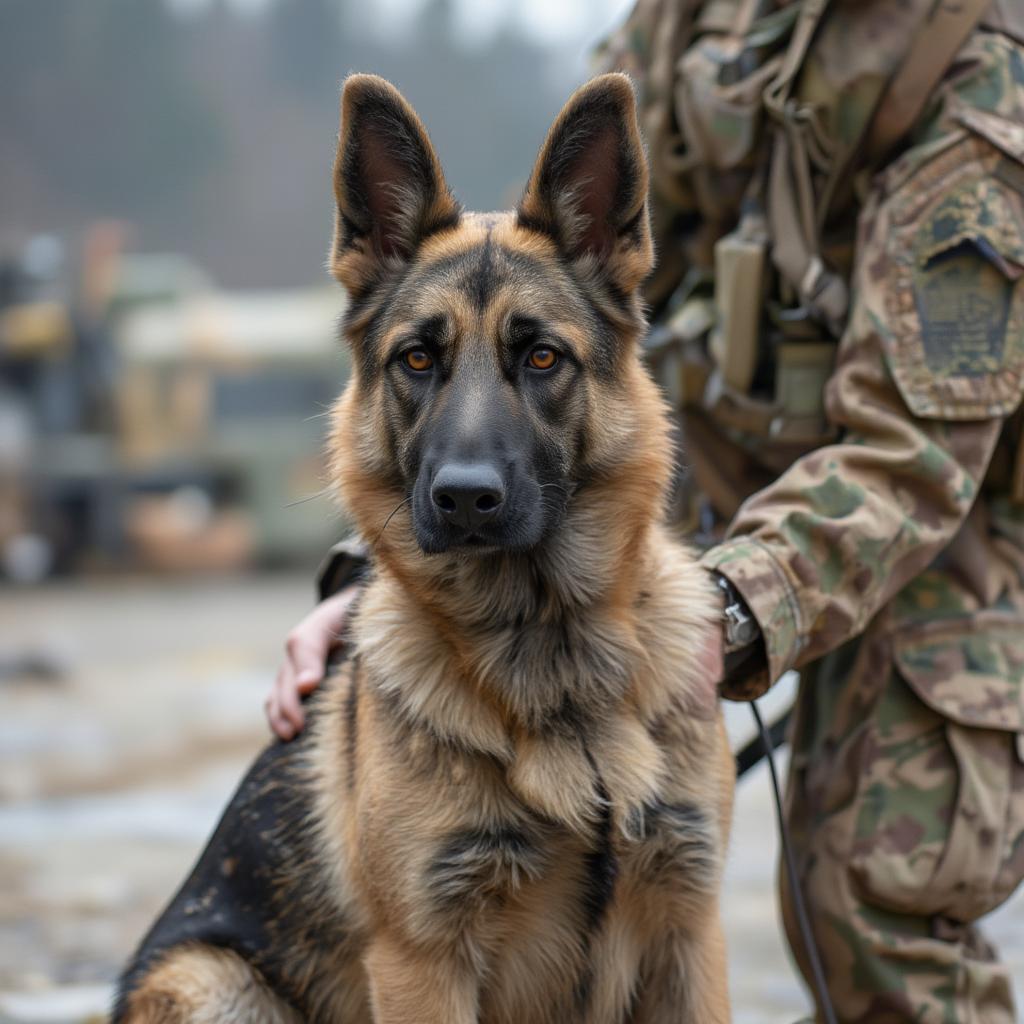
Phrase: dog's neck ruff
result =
(525, 659)
(549, 662)
(540, 637)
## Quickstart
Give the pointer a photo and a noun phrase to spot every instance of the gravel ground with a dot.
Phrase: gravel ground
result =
(113, 772)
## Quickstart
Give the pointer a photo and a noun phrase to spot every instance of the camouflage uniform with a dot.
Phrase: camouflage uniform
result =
(875, 524)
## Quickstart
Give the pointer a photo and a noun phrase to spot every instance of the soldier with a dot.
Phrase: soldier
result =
(838, 202)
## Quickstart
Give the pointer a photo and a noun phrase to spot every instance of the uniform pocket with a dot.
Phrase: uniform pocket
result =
(722, 119)
(939, 827)
(951, 277)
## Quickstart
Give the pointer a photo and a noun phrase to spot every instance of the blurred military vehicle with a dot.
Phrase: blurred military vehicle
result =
(148, 419)
(226, 395)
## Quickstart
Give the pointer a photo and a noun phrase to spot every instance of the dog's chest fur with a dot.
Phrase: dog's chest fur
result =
(511, 801)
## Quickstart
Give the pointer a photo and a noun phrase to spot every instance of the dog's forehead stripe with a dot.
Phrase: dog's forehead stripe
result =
(477, 278)
(478, 275)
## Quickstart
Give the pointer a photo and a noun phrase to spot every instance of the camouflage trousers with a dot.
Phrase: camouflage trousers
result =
(906, 805)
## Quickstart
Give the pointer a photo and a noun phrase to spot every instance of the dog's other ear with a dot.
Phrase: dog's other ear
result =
(388, 184)
(588, 189)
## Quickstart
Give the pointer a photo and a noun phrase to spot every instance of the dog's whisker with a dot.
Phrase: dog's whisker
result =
(392, 514)
(309, 497)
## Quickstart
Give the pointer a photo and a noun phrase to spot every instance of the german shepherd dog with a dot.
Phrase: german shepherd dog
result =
(512, 801)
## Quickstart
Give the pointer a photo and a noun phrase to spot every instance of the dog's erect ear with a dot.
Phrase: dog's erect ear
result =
(388, 184)
(588, 189)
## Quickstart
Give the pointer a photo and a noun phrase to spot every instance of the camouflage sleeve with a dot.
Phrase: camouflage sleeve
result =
(930, 365)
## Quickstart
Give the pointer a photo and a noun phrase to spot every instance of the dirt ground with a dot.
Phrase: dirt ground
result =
(119, 748)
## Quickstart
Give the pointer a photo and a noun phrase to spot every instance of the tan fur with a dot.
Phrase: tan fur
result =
(436, 730)
(200, 985)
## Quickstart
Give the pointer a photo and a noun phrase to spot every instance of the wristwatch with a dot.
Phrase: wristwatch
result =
(741, 634)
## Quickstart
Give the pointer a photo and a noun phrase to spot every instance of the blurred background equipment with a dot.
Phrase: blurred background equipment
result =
(167, 330)
(153, 420)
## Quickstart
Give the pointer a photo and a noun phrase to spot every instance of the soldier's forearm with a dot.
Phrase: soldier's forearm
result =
(929, 367)
(820, 551)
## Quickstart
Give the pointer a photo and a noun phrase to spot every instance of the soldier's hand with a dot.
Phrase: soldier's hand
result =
(712, 663)
(306, 650)
(713, 657)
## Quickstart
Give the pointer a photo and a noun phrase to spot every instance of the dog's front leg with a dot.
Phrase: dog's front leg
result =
(686, 981)
(410, 986)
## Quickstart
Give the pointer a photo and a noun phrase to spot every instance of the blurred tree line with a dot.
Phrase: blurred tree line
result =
(212, 129)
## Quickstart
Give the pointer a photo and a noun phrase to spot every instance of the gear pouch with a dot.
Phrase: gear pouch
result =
(939, 825)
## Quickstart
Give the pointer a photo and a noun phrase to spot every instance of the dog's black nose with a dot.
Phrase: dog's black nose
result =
(467, 495)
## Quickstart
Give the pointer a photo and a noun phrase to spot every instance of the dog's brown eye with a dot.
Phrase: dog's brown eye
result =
(543, 358)
(418, 360)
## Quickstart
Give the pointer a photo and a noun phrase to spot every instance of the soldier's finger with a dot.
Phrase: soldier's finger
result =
(307, 649)
(288, 701)
(307, 682)
(332, 615)
(281, 726)
(272, 706)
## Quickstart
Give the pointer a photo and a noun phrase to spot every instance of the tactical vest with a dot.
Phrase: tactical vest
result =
(769, 127)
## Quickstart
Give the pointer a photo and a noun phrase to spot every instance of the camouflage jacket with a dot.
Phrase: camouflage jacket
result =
(906, 502)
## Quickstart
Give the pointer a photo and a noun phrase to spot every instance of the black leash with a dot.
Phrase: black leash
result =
(767, 740)
(755, 750)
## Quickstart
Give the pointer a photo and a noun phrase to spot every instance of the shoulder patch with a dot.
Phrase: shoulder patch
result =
(954, 298)
(963, 301)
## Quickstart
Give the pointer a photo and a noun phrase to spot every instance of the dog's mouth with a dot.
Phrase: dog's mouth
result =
(476, 544)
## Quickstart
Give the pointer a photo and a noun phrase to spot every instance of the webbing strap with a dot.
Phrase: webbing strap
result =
(1017, 484)
(791, 201)
(935, 45)
(811, 13)
(794, 231)
(796, 214)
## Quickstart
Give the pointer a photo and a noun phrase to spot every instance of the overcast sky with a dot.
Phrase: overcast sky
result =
(547, 21)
